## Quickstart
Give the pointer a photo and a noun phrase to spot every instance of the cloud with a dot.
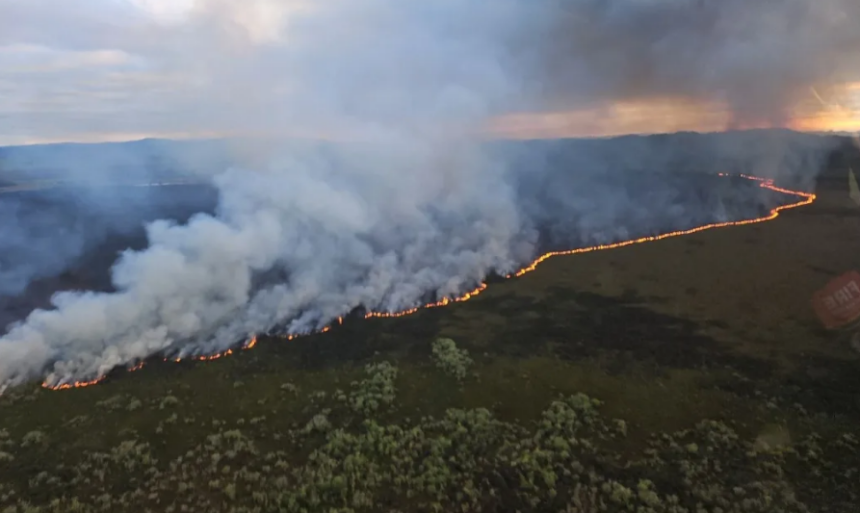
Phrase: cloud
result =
(166, 11)
(200, 65)
(739, 49)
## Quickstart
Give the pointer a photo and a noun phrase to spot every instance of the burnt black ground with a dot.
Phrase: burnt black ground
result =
(577, 322)
(67, 238)
(715, 325)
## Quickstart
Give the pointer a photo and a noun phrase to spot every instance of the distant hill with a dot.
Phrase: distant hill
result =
(773, 153)
(134, 161)
(794, 158)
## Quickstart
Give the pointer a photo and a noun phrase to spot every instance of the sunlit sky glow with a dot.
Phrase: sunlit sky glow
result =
(841, 113)
(109, 70)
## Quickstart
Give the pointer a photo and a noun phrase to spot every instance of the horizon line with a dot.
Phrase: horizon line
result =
(203, 138)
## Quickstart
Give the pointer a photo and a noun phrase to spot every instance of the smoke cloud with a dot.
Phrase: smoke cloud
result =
(409, 203)
(110, 190)
(759, 58)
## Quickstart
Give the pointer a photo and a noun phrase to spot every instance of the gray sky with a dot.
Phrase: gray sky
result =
(92, 69)
(124, 69)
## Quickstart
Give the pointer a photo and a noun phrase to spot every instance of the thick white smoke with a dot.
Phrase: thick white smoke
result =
(412, 206)
(378, 230)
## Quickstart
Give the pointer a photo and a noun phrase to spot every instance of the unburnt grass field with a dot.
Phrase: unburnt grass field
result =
(685, 375)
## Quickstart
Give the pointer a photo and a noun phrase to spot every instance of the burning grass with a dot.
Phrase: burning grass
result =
(803, 199)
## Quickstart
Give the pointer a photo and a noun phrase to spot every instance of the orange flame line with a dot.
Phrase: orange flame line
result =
(806, 199)
(77, 384)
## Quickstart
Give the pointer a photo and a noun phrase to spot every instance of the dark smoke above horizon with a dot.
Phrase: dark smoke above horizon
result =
(759, 57)
(288, 67)
(414, 204)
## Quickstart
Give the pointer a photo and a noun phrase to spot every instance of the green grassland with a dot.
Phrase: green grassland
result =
(685, 375)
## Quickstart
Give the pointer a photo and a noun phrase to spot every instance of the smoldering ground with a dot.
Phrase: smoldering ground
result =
(67, 238)
(44, 233)
(61, 201)
(415, 205)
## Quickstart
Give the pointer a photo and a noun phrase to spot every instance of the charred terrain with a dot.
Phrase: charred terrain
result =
(683, 375)
(62, 238)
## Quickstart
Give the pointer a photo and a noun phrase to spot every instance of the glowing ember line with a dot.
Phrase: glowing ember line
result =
(806, 199)
(442, 302)
(77, 384)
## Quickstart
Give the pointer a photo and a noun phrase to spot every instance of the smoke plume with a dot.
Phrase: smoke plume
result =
(759, 58)
(408, 203)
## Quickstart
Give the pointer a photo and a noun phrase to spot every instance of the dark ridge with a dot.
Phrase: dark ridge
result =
(68, 238)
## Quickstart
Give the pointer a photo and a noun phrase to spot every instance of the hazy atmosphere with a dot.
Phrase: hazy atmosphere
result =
(402, 256)
(125, 69)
